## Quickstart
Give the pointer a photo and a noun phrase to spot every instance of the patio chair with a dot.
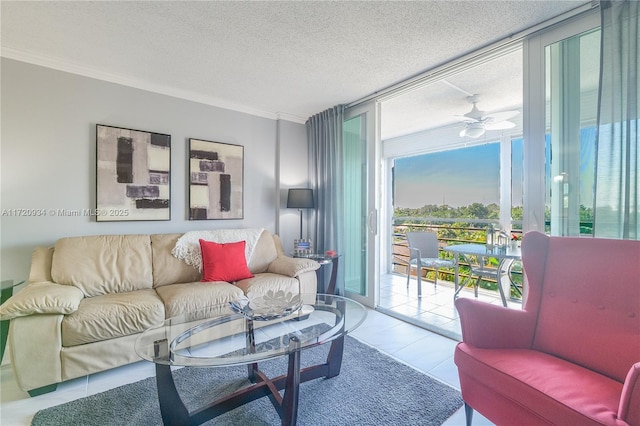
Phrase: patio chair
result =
(424, 253)
(479, 269)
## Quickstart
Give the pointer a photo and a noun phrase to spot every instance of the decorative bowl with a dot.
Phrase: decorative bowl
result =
(267, 307)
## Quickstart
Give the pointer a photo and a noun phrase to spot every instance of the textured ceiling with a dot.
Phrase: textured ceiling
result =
(290, 59)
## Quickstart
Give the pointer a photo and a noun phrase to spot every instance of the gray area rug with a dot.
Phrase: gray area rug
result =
(372, 389)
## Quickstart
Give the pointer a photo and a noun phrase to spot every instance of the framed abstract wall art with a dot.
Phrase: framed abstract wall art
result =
(133, 175)
(216, 179)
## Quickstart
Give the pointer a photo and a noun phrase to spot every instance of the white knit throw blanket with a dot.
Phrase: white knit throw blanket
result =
(187, 247)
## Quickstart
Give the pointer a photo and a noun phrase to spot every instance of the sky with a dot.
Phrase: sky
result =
(457, 178)
(469, 175)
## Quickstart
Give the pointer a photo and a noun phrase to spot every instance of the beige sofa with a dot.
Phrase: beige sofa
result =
(88, 299)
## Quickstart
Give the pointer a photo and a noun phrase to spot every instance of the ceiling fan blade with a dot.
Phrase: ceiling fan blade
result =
(501, 125)
(499, 116)
(464, 118)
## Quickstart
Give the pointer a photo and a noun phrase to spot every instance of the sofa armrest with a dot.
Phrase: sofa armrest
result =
(629, 409)
(35, 344)
(491, 326)
(292, 267)
(42, 298)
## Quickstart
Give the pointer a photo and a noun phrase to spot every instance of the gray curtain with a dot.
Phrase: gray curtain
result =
(616, 213)
(324, 133)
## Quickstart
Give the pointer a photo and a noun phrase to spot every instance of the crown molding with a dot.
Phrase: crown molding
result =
(291, 117)
(65, 66)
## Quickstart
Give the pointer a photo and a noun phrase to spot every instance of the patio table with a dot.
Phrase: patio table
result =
(505, 255)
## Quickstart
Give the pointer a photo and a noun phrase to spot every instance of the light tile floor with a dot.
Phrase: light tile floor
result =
(428, 352)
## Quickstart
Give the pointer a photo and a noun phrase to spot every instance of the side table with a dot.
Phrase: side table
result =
(6, 287)
(323, 260)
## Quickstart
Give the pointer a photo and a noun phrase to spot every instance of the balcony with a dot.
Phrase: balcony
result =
(435, 310)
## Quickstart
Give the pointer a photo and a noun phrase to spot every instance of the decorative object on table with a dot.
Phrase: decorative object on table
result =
(267, 307)
(302, 247)
(216, 179)
(503, 239)
(515, 240)
(133, 170)
(490, 237)
(300, 198)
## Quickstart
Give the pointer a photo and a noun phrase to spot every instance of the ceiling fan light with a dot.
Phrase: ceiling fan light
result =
(474, 130)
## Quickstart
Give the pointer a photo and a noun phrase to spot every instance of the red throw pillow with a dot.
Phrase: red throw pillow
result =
(224, 262)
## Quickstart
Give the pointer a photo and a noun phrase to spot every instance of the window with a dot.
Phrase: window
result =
(571, 75)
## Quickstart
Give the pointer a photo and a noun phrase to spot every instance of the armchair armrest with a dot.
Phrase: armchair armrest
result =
(414, 253)
(491, 326)
(42, 298)
(292, 267)
(629, 410)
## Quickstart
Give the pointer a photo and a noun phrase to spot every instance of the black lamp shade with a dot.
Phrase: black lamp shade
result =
(300, 198)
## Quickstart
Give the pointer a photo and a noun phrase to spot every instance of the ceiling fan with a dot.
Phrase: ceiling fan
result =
(477, 121)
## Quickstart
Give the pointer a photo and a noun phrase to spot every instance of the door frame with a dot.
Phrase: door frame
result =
(371, 112)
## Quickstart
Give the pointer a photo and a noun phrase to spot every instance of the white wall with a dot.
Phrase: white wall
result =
(48, 157)
(293, 174)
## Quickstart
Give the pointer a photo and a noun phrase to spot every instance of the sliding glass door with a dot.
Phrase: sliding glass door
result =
(561, 91)
(572, 74)
(360, 201)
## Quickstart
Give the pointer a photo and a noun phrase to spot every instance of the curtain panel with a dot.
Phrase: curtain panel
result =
(616, 213)
(324, 133)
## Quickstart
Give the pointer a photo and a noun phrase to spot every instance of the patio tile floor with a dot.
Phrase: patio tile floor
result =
(433, 311)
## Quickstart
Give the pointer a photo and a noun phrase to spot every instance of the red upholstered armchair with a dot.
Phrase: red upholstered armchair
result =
(572, 355)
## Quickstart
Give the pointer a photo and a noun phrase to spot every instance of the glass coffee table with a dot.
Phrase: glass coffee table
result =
(233, 334)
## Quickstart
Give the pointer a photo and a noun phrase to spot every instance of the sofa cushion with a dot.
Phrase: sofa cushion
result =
(562, 392)
(224, 262)
(262, 283)
(179, 299)
(103, 264)
(112, 315)
(41, 259)
(167, 269)
(264, 253)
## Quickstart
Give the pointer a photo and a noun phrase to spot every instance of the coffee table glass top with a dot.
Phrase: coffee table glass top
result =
(220, 336)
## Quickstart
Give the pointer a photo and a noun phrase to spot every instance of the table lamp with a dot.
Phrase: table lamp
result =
(300, 198)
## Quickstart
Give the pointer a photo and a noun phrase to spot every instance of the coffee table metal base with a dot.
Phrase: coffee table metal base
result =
(174, 412)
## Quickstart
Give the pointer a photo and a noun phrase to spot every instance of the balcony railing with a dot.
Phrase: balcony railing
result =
(449, 231)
